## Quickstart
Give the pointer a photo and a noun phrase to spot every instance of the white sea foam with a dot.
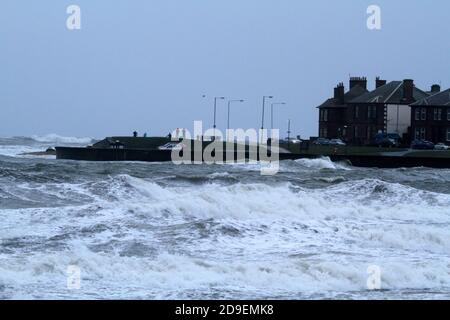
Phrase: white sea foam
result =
(253, 239)
(54, 138)
(171, 275)
(296, 165)
(16, 150)
(218, 175)
(322, 163)
(18, 146)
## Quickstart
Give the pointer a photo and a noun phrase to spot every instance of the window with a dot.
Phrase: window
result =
(448, 114)
(324, 115)
(356, 128)
(417, 113)
(423, 114)
(323, 133)
(356, 113)
(372, 112)
(448, 134)
(371, 131)
(420, 133)
(437, 114)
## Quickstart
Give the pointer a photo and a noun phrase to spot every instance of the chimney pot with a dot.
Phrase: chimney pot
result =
(408, 90)
(339, 93)
(435, 88)
(358, 81)
(379, 82)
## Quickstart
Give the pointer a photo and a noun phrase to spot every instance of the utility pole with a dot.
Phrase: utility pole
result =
(263, 113)
(215, 112)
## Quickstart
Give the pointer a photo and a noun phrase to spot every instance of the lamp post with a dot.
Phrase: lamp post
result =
(271, 112)
(263, 113)
(215, 113)
(264, 108)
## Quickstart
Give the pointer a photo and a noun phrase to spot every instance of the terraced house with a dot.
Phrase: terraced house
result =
(383, 110)
(333, 112)
(359, 115)
(430, 117)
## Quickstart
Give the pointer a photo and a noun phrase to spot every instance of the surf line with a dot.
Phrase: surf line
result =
(186, 310)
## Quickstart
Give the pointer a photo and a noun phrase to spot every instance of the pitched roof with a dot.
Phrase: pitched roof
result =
(438, 99)
(390, 93)
(354, 92)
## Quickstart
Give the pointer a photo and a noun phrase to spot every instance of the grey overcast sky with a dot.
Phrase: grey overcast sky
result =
(145, 64)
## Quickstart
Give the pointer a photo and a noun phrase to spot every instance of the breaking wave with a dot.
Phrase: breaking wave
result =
(172, 276)
(54, 138)
(322, 163)
(140, 238)
(18, 146)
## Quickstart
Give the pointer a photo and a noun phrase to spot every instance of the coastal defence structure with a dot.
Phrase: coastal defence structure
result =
(163, 149)
(148, 150)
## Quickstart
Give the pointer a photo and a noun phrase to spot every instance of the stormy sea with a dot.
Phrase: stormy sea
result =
(316, 230)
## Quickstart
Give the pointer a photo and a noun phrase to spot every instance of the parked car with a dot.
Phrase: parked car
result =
(386, 140)
(337, 142)
(422, 145)
(441, 146)
(171, 146)
(291, 140)
(322, 142)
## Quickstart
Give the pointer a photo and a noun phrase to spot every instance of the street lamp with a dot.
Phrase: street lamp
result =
(215, 112)
(271, 112)
(264, 108)
(263, 111)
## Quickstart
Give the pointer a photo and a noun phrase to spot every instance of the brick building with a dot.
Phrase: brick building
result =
(333, 112)
(385, 109)
(430, 117)
(358, 115)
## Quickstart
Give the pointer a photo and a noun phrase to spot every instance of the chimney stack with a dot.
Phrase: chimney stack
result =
(408, 90)
(379, 82)
(435, 88)
(358, 81)
(339, 93)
